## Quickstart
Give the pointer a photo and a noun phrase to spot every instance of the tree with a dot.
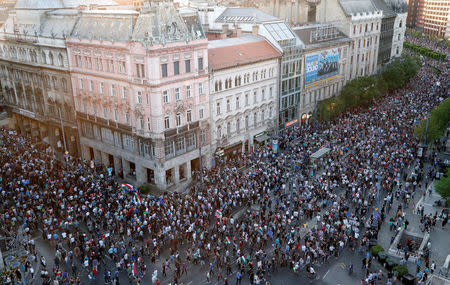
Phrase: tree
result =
(443, 186)
(439, 120)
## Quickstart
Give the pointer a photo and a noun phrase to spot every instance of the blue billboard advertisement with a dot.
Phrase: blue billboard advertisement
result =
(321, 66)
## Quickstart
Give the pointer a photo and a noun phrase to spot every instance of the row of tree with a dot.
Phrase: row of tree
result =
(424, 51)
(439, 120)
(360, 92)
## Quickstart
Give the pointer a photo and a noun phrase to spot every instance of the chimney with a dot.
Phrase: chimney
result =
(238, 32)
(255, 30)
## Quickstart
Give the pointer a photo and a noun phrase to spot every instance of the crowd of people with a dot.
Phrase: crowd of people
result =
(441, 47)
(281, 212)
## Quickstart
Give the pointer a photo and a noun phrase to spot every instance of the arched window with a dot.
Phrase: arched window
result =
(44, 57)
(61, 60)
(52, 60)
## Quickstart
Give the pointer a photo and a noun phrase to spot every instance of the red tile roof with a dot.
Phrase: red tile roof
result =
(240, 54)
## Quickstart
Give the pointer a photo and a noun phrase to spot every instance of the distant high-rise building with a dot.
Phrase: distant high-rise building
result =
(430, 16)
(436, 20)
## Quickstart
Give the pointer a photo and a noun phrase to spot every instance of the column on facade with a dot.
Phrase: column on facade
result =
(117, 164)
(277, 8)
(176, 174)
(296, 11)
(125, 166)
(141, 174)
(105, 158)
(188, 170)
(288, 11)
(160, 177)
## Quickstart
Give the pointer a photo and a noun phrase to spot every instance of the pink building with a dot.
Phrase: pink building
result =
(140, 84)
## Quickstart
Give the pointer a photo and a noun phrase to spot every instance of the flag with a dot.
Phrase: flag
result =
(134, 272)
(218, 214)
(243, 259)
(126, 187)
(228, 241)
(137, 199)
(261, 231)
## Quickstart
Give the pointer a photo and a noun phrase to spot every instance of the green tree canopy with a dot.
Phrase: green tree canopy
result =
(443, 186)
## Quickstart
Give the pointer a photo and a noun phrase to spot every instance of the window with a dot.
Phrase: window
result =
(147, 99)
(200, 63)
(255, 119)
(238, 126)
(113, 90)
(55, 82)
(189, 116)
(263, 94)
(52, 60)
(203, 136)
(141, 122)
(122, 67)
(400, 24)
(354, 29)
(164, 70)
(200, 113)
(128, 142)
(178, 119)
(262, 115)
(246, 99)
(140, 70)
(177, 94)
(246, 122)
(102, 88)
(61, 60)
(187, 65)
(105, 113)
(116, 115)
(179, 145)
(255, 97)
(228, 128)
(91, 85)
(188, 91)
(270, 92)
(270, 112)
(166, 122)
(81, 84)
(168, 148)
(165, 97)
(218, 108)
(149, 125)
(228, 105)
(176, 67)
(237, 102)
(124, 92)
(139, 97)
(190, 140)
(111, 66)
(89, 63)
(64, 84)
(94, 108)
(200, 88)
(127, 118)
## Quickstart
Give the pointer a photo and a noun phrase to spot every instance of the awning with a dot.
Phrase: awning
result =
(262, 138)
(321, 152)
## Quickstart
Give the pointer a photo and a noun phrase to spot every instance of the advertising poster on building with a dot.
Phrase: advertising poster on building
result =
(321, 66)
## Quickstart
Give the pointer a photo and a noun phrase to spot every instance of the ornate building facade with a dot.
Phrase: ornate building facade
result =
(34, 71)
(140, 88)
(243, 102)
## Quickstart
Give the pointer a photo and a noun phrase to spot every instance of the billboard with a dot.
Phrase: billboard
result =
(321, 66)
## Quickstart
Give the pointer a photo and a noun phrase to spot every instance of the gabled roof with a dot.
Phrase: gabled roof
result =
(245, 15)
(357, 6)
(233, 52)
(387, 11)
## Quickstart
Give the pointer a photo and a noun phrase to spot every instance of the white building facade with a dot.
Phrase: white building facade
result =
(243, 93)
(361, 22)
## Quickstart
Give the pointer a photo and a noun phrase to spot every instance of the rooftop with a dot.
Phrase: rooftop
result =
(320, 35)
(245, 15)
(233, 52)
(60, 4)
(357, 6)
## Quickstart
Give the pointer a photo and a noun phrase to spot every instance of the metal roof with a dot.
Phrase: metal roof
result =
(358, 6)
(245, 15)
(387, 11)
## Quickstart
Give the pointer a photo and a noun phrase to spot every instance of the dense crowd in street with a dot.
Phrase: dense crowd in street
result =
(441, 47)
(295, 215)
